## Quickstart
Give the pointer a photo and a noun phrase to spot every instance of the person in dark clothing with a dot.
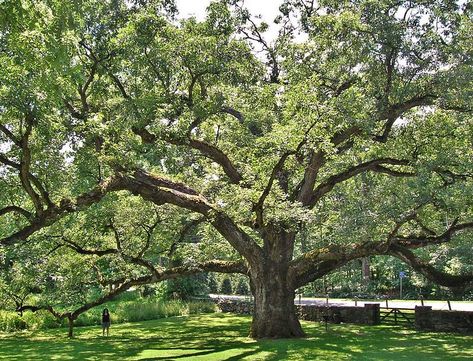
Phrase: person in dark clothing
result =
(105, 321)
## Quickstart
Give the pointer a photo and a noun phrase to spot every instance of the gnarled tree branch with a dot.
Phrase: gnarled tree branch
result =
(422, 240)
(155, 189)
(16, 209)
(429, 271)
(373, 165)
(208, 150)
(54, 213)
(304, 191)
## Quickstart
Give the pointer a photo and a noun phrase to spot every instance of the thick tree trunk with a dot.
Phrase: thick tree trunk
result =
(274, 314)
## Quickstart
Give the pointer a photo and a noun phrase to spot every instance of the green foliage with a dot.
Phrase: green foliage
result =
(226, 287)
(185, 288)
(147, 291)
(213, 285)
(198, 307)
(151, 310)
(10, 321)
(242, 287)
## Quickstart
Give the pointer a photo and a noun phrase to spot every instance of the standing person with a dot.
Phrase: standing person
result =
(105, 321)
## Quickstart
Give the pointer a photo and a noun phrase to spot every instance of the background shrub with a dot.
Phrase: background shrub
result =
(11, 321)
(226, 287)
(130, 307)
(201, 307)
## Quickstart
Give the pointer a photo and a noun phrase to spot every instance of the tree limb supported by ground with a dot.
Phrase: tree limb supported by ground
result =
(141, 147)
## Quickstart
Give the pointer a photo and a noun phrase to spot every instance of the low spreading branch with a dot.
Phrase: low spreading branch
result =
(55, 212)
(160, 191)
(319, 262)
(429, 271)
(10, 135)
(209, 266)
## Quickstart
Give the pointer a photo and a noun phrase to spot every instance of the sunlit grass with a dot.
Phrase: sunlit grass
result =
(133, 310)
(224, 337)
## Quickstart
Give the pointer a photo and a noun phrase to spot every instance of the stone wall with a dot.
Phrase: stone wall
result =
(425, 317)
(443, 320)
(367, 315)
(235, 306)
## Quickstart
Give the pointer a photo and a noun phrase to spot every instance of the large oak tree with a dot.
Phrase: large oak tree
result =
(349, 135)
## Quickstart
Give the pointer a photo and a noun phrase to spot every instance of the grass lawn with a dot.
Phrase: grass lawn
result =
(223, 337)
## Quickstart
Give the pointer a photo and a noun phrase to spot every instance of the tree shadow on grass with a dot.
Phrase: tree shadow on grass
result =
(387, 342)
(224, 337)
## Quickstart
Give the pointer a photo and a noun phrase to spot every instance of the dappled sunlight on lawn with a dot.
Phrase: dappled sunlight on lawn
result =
(224, 337)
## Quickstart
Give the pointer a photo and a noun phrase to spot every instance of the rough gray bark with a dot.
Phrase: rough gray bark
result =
(274, 314)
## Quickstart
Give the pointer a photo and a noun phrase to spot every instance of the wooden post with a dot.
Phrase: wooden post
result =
(326, 299)
(387, 303)
(422, 300)
(449, 305)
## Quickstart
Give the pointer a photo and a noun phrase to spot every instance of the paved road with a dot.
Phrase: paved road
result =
(436, 305)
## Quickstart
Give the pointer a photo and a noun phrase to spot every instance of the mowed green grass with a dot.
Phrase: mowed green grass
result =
(224, 337)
